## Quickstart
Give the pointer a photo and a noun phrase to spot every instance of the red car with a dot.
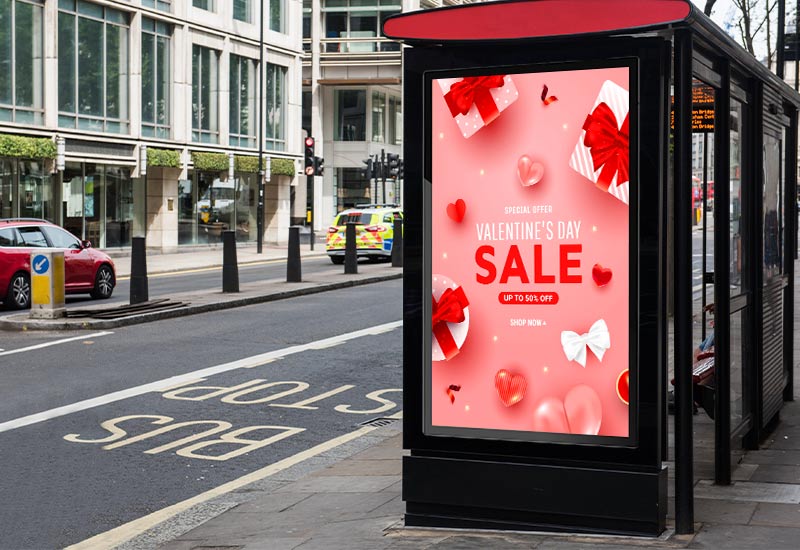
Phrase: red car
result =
(86, 270)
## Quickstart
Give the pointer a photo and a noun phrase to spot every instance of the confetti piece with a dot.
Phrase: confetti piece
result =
(547, 100)
(450, 390)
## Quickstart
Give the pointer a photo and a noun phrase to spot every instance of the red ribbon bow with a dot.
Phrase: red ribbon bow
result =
(449, 309)
(608, 144)
(474, 90)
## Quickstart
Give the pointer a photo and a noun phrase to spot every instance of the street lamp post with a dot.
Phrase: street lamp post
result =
(260, 110)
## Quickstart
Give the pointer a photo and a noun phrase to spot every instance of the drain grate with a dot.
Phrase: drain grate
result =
(378, 422)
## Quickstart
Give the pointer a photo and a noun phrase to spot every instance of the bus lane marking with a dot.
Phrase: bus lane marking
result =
(132, 529)
(174, 381)
(54, 343)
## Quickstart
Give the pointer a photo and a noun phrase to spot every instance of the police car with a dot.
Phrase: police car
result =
(374, 232)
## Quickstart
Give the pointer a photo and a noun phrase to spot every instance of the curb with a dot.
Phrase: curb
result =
(25, 324)
(240, 263)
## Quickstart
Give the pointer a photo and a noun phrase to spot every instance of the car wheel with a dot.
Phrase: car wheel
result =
(103, 283)
(337, 260)
(19, 292)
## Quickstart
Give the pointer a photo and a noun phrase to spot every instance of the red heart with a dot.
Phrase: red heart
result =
(456, 210)
(510, 387)
(601, 275)
(623, 386)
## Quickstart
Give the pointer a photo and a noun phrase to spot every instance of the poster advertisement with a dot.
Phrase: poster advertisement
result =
(529, 256)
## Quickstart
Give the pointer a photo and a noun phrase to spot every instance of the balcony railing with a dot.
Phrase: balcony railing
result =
(354, 50)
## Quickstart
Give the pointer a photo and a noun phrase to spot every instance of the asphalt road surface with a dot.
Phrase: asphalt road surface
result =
(100, 428)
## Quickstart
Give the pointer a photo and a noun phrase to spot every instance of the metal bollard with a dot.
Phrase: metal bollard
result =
(138, 292)
(397, 243)
(293, 268)
(230, 266)
(350, 256)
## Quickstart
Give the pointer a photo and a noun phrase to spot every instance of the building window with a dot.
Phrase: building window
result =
(395, 127)
(351, 115)
(155, 78)
(205, 118)
(21, 39)
(276, 110)
(163, 5)
(207, 5)
(92, 67)
(276, 18)
(378, 114)
(307, 25)
(242, 102)
(241, 10)
(358, 19)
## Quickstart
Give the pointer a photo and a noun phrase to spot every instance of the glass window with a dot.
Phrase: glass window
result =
(355, 21)
(276, 11)
(92, 67)
(351, 115)
(773, 191)
(163, 5)
(204, 94)
(8, 237)
(155, 78)
(276, 110)
(395, 122)
(21, 47)
(242, 105)
(738, 249)
(241, 10)
(61, 238)
(32, 236)
(204, 4)
(378, 114)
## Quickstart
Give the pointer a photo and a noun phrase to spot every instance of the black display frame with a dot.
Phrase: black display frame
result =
(649, 61)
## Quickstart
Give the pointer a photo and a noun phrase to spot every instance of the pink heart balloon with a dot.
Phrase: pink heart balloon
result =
(584, 410)
(550, 417)
(528, 171)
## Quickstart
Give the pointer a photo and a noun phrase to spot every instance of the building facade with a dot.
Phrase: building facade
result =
(153, 105)
(352, 101)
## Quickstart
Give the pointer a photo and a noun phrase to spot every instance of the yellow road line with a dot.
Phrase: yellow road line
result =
(132, 529)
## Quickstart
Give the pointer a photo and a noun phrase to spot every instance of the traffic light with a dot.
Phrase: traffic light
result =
(401, 169)
(309, 156)
(319, 166)
(368, 171)
(393, 162)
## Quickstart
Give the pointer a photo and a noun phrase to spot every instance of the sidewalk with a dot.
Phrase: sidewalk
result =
(352, 500)
(205, 300)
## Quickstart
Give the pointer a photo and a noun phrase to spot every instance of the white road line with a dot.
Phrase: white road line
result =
(54, 343)
(161, 385)
(132, 529)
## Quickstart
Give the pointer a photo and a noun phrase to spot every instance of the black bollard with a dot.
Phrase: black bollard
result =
(230, 267)
(293, 269)
(397, 243)
(138, 289)
(350, 256)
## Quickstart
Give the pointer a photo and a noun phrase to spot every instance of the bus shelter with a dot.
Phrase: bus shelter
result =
(588, 183)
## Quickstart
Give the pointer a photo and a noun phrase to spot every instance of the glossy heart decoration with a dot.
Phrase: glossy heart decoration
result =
(601, 275)
(456, 210)
(528, 171)
(623, 386)
(510, 387)
(581, 412)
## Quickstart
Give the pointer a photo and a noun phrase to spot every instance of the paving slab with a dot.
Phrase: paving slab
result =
(782, 515)
(749, 491)
(340, 484)
(778, 473)
(723, 511)
(747, 537)
(355, 467)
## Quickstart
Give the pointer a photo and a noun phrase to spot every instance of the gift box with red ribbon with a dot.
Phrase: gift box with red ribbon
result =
(476, 101)
(603, 150)
(450, 318)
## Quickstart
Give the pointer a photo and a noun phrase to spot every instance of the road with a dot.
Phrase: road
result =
(95, 433)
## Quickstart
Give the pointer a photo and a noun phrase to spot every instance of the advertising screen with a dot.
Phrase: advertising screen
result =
(529, 254)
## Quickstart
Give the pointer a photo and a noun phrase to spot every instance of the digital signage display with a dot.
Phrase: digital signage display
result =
(532, 191)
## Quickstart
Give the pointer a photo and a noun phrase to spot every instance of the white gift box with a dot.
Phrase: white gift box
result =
(616, 98)
(502, 96)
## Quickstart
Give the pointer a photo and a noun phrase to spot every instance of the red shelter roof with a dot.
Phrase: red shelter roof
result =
(519, 19)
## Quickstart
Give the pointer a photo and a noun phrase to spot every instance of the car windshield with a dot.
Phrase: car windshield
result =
(354, 217)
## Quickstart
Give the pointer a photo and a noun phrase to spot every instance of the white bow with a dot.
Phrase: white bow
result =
(598, 339)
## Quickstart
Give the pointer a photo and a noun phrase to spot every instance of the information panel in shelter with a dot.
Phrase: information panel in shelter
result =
(529, 256)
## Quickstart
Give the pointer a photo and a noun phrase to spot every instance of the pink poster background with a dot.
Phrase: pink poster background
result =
(482, 171)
